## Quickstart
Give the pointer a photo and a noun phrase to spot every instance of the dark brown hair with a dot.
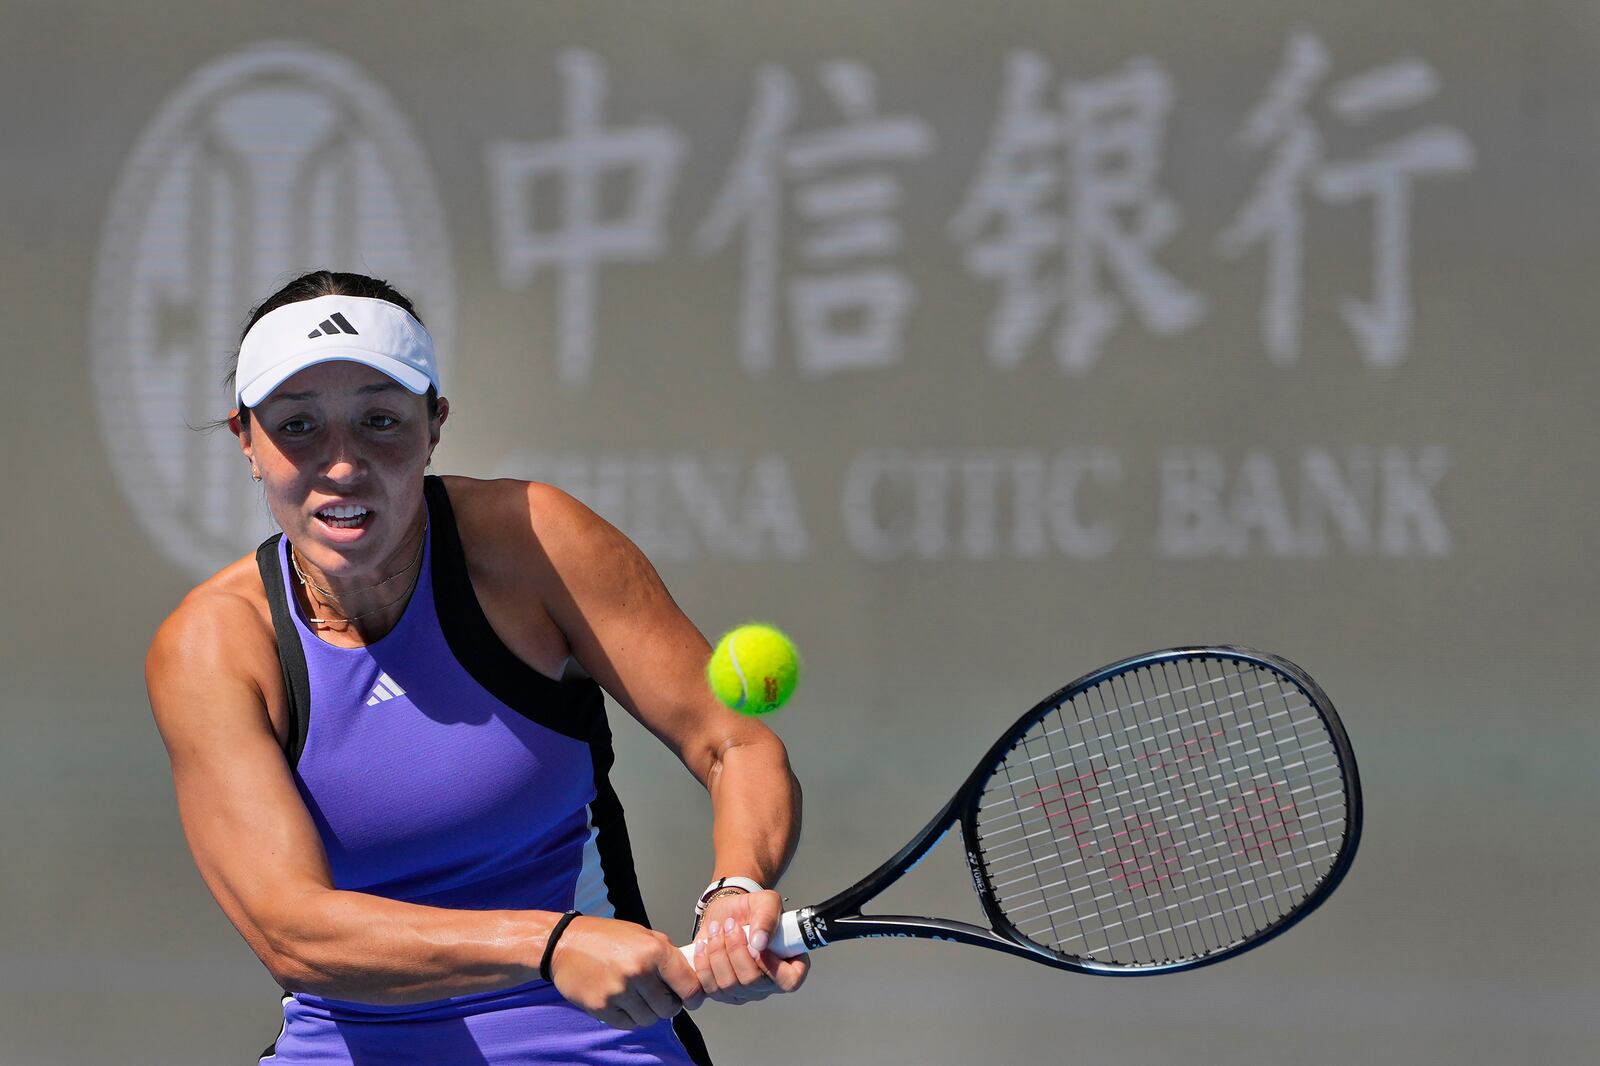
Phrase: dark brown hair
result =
(326, 283)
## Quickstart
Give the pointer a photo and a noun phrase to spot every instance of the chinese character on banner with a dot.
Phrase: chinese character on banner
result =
(847, 310)
(586, 154)
(1065, 205)
(1274, 214)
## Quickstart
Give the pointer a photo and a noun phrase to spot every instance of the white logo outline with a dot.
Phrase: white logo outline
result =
(153, 379)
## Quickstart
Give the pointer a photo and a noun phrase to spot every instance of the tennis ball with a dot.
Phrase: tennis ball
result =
(754, 669)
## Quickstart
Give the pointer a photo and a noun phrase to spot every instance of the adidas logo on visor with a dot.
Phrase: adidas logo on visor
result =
(335, 323)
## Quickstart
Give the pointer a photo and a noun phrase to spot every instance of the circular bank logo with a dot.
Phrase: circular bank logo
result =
(265, 164)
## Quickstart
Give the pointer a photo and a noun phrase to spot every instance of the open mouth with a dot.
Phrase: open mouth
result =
(344, 516)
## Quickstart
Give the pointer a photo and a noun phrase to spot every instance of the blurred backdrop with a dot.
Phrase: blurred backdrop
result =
(976, 345)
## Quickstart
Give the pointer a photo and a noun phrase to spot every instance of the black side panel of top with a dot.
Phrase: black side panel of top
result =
(574, 709)
(567, 707)
(292, 656)
(617, 870)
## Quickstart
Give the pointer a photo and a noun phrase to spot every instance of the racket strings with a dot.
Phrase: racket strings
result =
(1166, 813)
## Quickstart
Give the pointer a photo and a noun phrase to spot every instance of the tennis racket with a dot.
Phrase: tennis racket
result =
(1165, 812)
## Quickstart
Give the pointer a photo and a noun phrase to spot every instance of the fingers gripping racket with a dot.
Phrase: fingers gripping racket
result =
(1162, 813)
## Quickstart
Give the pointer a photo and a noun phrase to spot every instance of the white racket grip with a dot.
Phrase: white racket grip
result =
(786, 943)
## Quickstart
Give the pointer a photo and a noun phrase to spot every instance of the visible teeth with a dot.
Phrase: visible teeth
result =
(343, 511)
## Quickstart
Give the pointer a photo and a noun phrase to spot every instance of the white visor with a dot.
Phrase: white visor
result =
(375, 333)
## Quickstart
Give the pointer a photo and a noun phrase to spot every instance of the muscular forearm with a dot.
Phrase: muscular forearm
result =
(368, 949)
(755, 804)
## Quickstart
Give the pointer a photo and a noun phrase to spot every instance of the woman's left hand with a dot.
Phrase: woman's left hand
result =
(732, 969)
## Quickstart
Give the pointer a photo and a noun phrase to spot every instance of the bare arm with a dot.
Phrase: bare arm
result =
(630, 635)
(210, 673)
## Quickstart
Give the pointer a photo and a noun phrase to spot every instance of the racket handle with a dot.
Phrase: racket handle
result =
(787, 940)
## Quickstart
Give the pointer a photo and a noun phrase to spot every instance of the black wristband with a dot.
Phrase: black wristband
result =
(550, 942)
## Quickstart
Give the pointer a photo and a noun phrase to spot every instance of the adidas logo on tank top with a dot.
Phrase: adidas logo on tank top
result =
(386, 689)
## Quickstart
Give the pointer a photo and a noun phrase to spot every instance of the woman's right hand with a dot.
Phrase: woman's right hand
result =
(622, 974)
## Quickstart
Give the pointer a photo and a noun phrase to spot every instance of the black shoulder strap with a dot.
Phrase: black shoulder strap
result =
(574, 709)
(567, 707)
(296, 679)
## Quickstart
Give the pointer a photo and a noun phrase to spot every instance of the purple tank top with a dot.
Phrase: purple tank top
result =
(442, 770)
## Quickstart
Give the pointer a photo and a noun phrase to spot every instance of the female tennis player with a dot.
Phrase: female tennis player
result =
(388, 741)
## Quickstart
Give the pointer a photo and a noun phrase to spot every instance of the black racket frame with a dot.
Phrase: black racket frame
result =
(838, 918)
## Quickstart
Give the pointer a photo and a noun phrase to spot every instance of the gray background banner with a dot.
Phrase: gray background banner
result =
(975, 349)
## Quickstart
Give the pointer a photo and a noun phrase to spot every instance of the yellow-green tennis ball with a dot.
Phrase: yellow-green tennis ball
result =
(754, 669)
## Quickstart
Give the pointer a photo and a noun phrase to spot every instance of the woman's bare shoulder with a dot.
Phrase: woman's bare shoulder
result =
(222, 626)
(234, 593)
(503, 497)
(512, 519)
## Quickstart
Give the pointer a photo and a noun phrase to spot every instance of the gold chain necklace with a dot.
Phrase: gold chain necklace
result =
(324, 594)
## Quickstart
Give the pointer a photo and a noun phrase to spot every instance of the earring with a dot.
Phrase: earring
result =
(255, 476)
